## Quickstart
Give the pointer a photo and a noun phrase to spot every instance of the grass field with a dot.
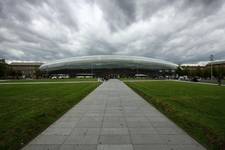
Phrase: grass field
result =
(49, 80)
(197, 108)
(26, 110)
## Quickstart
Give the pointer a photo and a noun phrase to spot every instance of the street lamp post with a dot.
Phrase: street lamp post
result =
(211, 59)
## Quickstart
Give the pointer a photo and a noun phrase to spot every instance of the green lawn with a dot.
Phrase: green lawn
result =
(197, 108)
(49, 80)
(26, 110)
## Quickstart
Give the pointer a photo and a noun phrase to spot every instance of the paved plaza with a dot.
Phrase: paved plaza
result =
(113, 117)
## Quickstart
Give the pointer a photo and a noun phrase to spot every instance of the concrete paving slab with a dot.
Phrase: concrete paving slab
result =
(82, 139)
(49, 139)
(89, 124)
(136, 131)
(114, 131)
(57, 131)
(86, 131)
(113, 117)
(185, 147)
(139, 124)
(168, 130)
(114, 124)
(114, 139)
(149, 139)
(151, 147)
(78, 147)
(115, 147)
(178, 140)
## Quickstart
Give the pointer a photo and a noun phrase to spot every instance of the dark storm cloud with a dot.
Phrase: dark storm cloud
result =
(181, 31)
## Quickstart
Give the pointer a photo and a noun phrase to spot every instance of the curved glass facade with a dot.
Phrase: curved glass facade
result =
(108, 62)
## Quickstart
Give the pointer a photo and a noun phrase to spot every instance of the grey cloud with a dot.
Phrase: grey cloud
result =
(202, 8)
(118, 14)
(179, 31)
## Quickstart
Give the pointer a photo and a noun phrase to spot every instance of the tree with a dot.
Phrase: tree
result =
(206, 72)
(179, 71)
(199, 72)
(3, 70)
(38, 74)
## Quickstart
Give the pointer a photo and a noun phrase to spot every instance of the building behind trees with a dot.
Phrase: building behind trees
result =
(19, 70)
(26, 69)
(203, 71)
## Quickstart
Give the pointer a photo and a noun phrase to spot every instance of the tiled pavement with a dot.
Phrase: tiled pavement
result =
(113, 117)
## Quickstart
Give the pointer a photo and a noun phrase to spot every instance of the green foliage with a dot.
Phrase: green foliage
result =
(26, 110)
(3, 70)
(198, 72)
(206, 73)
(197, 108)
(38, 74)
(202, 72)
(180, 71)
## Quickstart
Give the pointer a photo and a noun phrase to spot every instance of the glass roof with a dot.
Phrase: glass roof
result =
(108, 61)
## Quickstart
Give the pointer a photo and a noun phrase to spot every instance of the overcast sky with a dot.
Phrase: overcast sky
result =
(181, 31)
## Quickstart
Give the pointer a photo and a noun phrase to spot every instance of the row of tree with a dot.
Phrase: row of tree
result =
(203, 72)
(7, 72)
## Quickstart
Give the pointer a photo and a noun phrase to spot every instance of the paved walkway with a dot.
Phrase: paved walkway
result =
(113, 117)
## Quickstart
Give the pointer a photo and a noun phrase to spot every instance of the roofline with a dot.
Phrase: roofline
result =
(217, 62)
(102, 58)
